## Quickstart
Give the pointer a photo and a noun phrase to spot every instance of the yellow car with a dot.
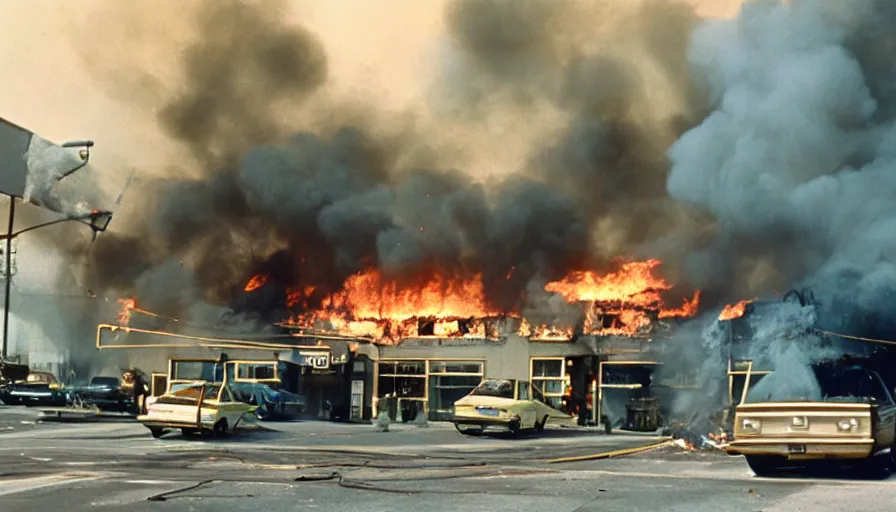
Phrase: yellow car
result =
(196, 408)
(509, 404)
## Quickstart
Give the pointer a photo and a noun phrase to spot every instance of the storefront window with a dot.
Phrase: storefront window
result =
(547, 368)
(403, 368)
(406, 379)
(449, 381)
(445, 390)
(402, 386)
(255, 371)
(455, 367)
(548, 375)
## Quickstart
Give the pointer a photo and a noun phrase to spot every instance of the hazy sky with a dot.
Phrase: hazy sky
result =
(386, 46)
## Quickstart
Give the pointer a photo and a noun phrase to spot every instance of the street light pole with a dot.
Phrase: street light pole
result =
(8, 274)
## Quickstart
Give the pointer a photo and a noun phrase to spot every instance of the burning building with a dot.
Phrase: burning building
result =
(350, 226)
(429, 344)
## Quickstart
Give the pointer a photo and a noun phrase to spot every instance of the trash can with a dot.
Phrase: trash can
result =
(642, 414)
(390, 404)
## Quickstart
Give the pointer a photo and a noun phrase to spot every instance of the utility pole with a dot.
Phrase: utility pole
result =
(7, 274)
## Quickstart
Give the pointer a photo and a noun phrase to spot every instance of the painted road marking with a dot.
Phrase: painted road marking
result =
(19, 485)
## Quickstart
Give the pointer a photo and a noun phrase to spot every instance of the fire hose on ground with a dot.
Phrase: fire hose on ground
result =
(614, 453)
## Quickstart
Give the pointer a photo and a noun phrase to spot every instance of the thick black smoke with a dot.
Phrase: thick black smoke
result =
(313, 207)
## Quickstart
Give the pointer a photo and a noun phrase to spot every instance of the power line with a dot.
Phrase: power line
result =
(857, 338)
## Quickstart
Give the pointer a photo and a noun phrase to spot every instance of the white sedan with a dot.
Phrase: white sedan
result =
(199, 407)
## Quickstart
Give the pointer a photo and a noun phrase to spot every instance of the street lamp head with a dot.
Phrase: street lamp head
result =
(99, 220)
(84, 154)
(78, 144)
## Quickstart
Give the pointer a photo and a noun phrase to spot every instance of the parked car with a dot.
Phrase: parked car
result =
(271, 404)
(196, 408)
(834, 412)
(509, 404)
(12, 372)
(38, 388)
(125, 394)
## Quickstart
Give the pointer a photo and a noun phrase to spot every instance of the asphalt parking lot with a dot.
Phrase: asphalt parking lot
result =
(309, 465)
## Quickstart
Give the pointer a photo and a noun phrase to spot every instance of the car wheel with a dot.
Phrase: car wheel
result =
(762, 466)
(539, 427)
(514, 427)
(156, 432)
(469, 431)
(220, 429)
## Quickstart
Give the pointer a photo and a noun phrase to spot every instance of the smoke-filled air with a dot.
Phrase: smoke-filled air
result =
(550, 140)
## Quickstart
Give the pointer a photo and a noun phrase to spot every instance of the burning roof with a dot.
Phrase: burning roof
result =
(627, 301)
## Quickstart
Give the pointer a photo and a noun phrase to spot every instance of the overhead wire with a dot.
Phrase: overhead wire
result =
(856, 338)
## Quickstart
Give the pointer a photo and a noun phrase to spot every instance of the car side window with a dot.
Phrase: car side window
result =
(523, 390)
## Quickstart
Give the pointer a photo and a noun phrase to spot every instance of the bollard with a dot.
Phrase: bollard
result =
(420, 419)
(382, 421)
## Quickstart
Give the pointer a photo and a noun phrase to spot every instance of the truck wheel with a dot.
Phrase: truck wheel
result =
(156, 432)
(762, 466)
(877, 467)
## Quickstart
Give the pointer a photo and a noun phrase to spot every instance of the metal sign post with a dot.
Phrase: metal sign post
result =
(48, 176)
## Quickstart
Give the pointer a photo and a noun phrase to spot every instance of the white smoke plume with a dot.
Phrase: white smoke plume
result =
(797, 161)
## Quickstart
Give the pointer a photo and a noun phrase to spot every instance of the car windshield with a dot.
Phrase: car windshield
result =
(104, 381)
(497, 388)
(818, 383)
(41, 377)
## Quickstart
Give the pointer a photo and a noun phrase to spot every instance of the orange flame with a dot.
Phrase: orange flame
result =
(622, 300)
(124, 316)
(634, 283)
(256, 282)
(688, 309)
(369, 304)
(735, 310)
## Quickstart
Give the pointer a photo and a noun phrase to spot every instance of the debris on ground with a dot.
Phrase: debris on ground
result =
(701, 434)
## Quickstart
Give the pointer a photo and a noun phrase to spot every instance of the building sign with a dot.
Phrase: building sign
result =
(316, 360)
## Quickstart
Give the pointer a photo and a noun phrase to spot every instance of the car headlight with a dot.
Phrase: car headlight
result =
(750, 426)
(207, 418)
(847, 424)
